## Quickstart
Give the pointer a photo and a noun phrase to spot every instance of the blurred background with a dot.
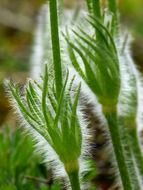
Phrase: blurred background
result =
(20, 167)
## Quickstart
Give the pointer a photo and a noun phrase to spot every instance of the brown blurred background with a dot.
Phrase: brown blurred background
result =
(17, 23)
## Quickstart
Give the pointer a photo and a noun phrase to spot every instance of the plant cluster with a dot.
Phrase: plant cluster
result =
(98, 53)
(20, 166)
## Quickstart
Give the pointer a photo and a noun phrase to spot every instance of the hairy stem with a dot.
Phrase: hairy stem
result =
(74, 180)
(56, 45)
(72, 170)
(94, 7)
(118, 149)
(112, 4)
(129, 155)
(89, 6)
(135, 144)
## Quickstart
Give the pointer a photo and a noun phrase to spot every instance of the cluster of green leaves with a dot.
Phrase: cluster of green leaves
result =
(100, 61)
(132, 14)
(18, 162)
(53, 117)
(103, 62)
(101, 72)
(51, 111)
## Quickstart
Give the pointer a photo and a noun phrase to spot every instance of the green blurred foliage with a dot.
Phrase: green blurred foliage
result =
(131, 7)
(22, 169)
(18, 160)
(132, 14)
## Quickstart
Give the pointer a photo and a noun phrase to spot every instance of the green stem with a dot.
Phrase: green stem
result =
(74, 180)
(129, 155)
(72, 169)
(136, 149)
(96, 8)
(112, 4)
(118, 149)
(89, 6)
(56, 45)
